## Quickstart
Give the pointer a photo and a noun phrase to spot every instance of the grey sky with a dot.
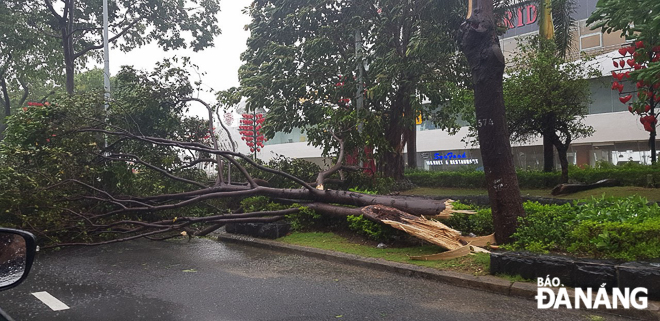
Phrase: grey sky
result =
(220, 63)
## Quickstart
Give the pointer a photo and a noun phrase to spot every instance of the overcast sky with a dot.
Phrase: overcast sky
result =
(220, 62)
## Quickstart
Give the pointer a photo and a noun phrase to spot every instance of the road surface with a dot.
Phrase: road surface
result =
(206, 280)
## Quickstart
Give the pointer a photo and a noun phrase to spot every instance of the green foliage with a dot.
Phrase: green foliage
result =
(27, 58)
(305, 170)
(544, 227)
(480, 223)
(628, 175)
(607, 227)
(363, 183)
(303, 220)
(618, 240)
(538, 179)
(373, 230)
(547, 95)
(447, 179)
(301, 61)
(54, 168)
(633, 209)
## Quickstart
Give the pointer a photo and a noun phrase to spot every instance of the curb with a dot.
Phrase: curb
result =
(487, 283)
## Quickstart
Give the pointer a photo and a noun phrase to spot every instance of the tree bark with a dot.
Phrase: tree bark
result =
(412, 148)
(6, 103)
(548, 153)
(481, 47)
(562, 151)
(392, 160)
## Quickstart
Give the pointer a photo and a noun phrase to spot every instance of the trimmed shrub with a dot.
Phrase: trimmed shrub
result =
(447, 179)
(478, 224)
(628, 175)
(607, 227)
(544, 228)
(618, 240)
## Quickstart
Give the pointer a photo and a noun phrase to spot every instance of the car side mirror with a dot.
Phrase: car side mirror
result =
(17, 251)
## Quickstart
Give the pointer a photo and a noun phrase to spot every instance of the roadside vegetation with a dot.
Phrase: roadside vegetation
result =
(628, 174)
(652, 194)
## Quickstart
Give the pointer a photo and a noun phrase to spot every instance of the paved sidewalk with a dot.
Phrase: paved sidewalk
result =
(488, 283)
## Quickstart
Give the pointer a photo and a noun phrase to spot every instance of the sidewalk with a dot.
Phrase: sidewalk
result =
(487, 283)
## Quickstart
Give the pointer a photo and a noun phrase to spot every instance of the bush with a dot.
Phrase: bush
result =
(538, 179)
(607, 227)
(478, 224)
(618, 240)
(359, 181)
(447, 179)
(628, 174)
(373, 230)
(544, 227)
(302, 220)
(632, 209)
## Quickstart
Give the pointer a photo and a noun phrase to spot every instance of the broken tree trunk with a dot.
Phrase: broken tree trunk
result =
(481, 47)
(574, 188)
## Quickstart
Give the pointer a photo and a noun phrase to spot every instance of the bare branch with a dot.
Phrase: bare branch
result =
(138, 160)
(338, 165)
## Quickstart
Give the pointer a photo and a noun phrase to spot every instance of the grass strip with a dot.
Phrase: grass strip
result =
(477, 264)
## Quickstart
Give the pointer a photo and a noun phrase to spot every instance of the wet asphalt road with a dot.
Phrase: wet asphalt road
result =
(207, 280)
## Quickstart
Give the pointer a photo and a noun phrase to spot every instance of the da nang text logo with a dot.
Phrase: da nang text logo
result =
(546, 298)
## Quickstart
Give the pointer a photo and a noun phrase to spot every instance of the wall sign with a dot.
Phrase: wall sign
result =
(521, 16)
(449, 155)
(451, 158)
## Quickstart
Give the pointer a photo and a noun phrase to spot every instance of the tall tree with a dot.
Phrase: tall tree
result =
(482, 49)
(305, 60)
(77, 25)
(25, 59)
(548, 96)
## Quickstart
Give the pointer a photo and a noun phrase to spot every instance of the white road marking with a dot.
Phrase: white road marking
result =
(51, 301)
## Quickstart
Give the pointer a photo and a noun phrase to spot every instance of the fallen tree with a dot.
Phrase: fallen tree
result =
(75, 175)
(90, 182)
(379, 208)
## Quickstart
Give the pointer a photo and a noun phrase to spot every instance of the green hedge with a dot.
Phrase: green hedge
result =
(625, 228)
(628, 175)
(447, 179)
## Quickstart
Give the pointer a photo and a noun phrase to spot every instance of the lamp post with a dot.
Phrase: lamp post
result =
(106, 64)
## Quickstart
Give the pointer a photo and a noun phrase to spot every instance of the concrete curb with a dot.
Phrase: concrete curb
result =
(487, 283)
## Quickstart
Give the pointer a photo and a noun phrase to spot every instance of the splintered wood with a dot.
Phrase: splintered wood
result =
(433, 232)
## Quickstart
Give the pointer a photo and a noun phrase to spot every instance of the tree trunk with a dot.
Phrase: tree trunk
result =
(548, 154)
(481, 47)
(393, 163)
(6, 103)
(563, 160)
(412, 148)
(562, 150)
(67, 44)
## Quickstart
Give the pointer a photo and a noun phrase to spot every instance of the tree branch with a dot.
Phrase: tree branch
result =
(112, 39)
